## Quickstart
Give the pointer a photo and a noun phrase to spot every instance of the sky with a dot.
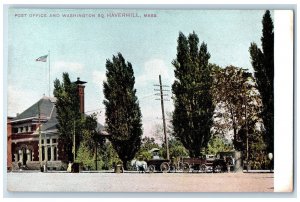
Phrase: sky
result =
(81, 46)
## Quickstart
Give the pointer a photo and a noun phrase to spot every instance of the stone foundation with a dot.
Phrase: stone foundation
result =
(35, 165)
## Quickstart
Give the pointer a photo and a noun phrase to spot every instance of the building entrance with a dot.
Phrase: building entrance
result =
(24, 155)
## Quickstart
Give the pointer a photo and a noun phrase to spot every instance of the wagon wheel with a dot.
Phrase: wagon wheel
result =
(186, 167)
(180, 167)
(217, 169)
(173, 167)
(165, 167)
(151, 169)
(203, 168)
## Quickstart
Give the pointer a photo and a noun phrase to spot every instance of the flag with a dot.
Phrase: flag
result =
(42, 59)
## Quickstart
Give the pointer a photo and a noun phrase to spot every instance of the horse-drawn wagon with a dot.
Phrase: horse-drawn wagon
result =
(201, 163)
(205, 163)
(157, 163)
(153, 165)
(225, 161)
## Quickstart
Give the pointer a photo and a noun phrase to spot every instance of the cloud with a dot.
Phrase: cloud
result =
(98, 77)
(63, 66)
(155, 67)
(152, 69)
(20, 99)
(150, 108)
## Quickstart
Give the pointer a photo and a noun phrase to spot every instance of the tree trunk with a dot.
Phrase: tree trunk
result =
(125, 164)
(70, 154)
(194, 154)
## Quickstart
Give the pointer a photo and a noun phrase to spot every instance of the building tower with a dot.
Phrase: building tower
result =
(80, 87)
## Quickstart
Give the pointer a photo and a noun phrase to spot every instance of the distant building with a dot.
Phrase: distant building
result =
(23, 136)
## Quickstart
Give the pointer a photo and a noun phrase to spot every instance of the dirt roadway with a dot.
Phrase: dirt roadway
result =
(134, 182)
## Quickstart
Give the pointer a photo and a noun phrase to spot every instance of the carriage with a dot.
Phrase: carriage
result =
(157, 163)
(162, 165)
(201, 163)
(204, 163)
(153, 165)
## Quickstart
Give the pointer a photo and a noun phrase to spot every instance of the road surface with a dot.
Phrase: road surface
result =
(138, 182)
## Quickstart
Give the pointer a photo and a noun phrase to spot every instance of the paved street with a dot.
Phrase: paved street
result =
(137, 182)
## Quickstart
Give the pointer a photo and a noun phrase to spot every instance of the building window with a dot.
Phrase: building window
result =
(42, 141)
(43, 153)
(53, 140)
(16, 157)
(55, 154)
(48, 141)
(49, 153)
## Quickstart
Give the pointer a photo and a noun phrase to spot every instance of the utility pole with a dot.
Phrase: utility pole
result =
(49, 71)
(163, 113)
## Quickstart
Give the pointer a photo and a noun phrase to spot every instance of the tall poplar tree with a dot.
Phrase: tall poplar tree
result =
(263, 65)
(68, 114)
(193, 113)
(123, 115)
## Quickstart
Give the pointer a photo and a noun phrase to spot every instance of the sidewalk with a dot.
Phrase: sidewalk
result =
(258, 171)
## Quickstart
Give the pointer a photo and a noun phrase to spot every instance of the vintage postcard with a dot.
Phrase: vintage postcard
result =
(146, 100)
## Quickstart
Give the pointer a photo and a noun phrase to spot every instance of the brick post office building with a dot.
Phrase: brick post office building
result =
(38, 123)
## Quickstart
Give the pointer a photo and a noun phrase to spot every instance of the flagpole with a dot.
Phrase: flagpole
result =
(49, 71)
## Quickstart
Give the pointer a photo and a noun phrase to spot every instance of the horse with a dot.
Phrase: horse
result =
(140, 166)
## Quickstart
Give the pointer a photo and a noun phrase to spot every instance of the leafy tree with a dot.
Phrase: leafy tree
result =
(86, 157)
(237, 102)
(158, 132)
(147, 144)
(108, 155)
(263, 65)
(90, 142)
(176, 149)
(192, 117)
(123, 115)
(238, 110)
(257, 155)
(68, 114)
(90, 136)
(218, 144)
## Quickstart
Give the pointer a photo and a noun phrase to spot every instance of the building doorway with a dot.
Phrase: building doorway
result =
(24, 155)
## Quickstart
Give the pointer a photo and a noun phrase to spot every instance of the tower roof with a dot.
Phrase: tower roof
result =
(79, 82)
